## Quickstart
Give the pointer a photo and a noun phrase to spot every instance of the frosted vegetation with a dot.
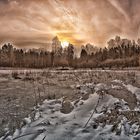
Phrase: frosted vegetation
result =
(69, 105)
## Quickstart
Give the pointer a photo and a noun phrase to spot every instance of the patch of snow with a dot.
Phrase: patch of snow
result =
(51, 124)
(27, 120)
(54, 125)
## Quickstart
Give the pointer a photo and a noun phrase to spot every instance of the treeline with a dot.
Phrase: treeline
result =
(119, 53)
(122, 56)
(34, 58)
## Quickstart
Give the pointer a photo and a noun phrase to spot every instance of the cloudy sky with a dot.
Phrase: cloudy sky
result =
(33, 23)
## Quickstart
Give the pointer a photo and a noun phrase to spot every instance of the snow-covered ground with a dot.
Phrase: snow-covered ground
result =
(51, 124)
(100, 108)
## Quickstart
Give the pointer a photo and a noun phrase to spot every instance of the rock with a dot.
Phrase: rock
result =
(67, 107)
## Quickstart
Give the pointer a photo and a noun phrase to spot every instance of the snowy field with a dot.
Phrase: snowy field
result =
(69, 105)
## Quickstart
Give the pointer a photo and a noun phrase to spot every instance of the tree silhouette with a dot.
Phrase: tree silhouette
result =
(119, 53)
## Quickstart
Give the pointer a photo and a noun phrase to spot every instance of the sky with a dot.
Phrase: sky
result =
(33, 23)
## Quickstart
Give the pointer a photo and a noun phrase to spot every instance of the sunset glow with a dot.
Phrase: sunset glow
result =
(64, 44)
(33, 23)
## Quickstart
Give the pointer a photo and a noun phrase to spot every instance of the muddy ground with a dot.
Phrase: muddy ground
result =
(21, 91)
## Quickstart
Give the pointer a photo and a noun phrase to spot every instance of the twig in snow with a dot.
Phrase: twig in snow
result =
(44, 138)
(92, 112)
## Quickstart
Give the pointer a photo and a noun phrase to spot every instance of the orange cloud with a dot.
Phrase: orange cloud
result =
(77, 21)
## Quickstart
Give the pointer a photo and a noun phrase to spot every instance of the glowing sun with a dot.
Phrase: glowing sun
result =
(64, 44)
